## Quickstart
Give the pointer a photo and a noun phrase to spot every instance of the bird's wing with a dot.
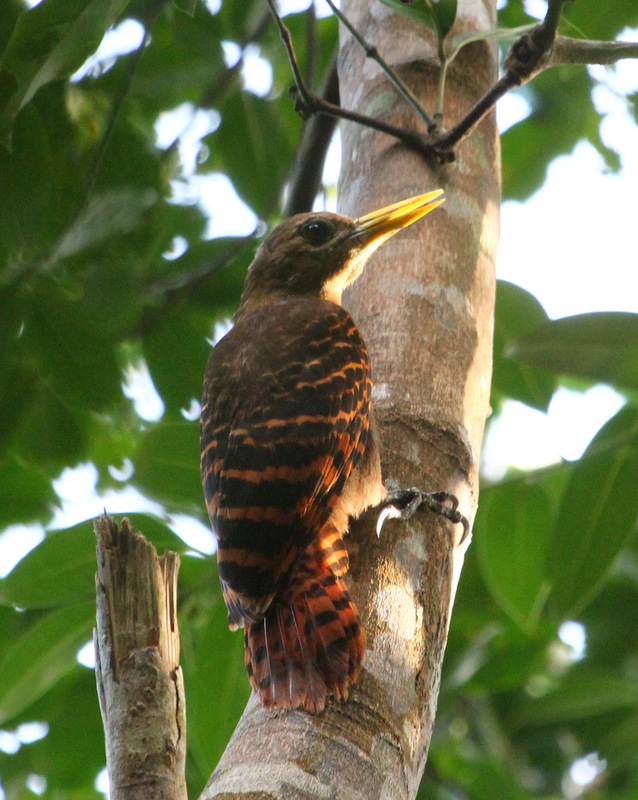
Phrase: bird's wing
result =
(279, 440)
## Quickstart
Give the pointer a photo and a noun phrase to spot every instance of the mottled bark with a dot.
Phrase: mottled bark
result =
(424, 305)
(139, 679)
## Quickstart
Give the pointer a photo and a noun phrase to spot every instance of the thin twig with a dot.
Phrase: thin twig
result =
(532, 53)
(307, 103)
(372, 53)
(286, 38)
(526, 57)
(447, 140)
(305, 179)
(417, 141)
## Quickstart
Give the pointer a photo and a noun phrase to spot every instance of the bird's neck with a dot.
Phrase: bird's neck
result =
(256, 299)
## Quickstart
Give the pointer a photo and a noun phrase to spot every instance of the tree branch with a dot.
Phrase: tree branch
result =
(372, 53)
(526, 57)
(139, 680)
(307, 103)
(305, 180)
(533, 52)
(581, 51)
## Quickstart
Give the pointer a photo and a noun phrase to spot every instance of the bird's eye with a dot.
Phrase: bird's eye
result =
(316, 231)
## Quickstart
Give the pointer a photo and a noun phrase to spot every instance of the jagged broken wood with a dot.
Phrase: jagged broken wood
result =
(139, 680)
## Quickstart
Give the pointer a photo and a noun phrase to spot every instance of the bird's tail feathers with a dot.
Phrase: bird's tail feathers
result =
(310, 643)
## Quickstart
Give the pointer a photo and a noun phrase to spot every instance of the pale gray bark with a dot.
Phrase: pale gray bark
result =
(140, 684)
(425, 306)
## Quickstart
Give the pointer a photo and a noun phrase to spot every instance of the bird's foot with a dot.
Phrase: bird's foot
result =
(404, 503)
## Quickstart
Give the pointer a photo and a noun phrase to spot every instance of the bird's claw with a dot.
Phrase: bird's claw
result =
(404, 503)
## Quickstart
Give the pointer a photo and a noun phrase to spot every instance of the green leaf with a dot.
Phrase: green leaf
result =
(481, 775)
(73, 698)
(445, 13)
(518, 312)
(601, 346)
(32, 189)
(436, 14)
(107, 214)
(61, 570)
(26, 494)
(51, 435)
(420, 11)
(50, 42)
(459, 40)
(167, 466)
(75, 359)
(601, 20)
(597, 514)
(513, 529)
(187, 6)
(562, 114)
(586, 694)
(41, 656)
(218, 687)
(176, 351)
(255, 145)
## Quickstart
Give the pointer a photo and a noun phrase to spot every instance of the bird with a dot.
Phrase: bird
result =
(290, 452)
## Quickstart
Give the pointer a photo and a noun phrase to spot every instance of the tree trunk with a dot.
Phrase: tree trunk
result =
(139, 680)
(424, 305)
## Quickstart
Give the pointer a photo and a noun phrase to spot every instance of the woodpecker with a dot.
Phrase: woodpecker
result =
(289, 452)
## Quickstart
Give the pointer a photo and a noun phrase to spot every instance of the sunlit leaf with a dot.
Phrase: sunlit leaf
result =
(218, 687)
(597, 515)
(600, 346)
(61, 570)
(50, 42)
(518, 312)
(167, 465)
(513, 530)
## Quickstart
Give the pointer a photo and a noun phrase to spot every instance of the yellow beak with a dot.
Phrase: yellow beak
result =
(376, 227)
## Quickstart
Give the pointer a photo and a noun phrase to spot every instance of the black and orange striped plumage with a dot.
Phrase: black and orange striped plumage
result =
(289, 454)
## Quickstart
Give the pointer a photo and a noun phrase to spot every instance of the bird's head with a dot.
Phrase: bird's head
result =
(318, 255)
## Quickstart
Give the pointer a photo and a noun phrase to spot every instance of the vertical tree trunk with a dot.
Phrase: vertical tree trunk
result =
(425, 307)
